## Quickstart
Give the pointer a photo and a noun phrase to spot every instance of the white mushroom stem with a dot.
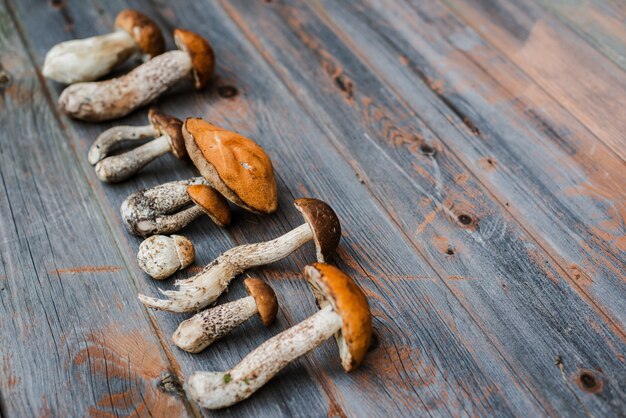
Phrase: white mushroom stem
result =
(88, 59)
(216, 390)
(111, 99)
(198, 332)
(120, 167)
(108, 139)
(204, 288)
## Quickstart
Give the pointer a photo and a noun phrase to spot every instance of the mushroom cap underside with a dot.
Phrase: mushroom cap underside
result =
(235, 165)
(211, 202)
(265, 299)
(172, 127)
(145, 32)
(324, 224)
(332, 286)
(201, 54)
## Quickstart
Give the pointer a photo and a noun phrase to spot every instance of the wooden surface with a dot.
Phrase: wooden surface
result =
(474, 151)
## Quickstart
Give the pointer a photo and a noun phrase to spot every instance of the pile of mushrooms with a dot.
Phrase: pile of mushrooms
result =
(91, 58)
(321, 226)
(344, 313)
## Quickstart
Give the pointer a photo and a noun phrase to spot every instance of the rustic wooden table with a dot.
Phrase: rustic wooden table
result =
(474, 151)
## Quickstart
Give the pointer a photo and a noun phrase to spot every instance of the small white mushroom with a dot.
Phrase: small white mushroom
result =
(120, 167)
(203, 329)
(344, 313)
(161, 256)
(321, 225)
(91, 58)
(117, 97)
(169, 207)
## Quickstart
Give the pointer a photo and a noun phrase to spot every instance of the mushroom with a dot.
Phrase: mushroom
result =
(161, 256)
(234, 165)
(111, 99)
(169, 207)
(344, 313)
(321, 225)
(91, 58)
(120, 167)
(203, 329)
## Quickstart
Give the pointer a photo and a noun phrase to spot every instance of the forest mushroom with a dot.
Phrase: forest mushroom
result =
(169, 207)
(321, 225)
(203, 329)
(344, 313)
(111, 99)
(90, 58)
(233, 164)
(161, 256)
(120, 167)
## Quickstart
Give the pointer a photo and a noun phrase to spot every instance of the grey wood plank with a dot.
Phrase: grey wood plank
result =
(364, 109)
(74, 342)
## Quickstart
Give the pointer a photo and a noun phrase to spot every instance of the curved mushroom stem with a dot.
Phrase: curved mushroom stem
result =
(108, 139)
(216, 390)
(204, 288)
(111, 99)
(120, 167)
(145, 211)
(88, 59)
(201, 330)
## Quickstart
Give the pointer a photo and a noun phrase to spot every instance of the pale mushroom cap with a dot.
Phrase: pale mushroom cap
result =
(172, 127)
(324, 223)
(211, 202)
(235, 165)
(265, 299)
(201, 53)
(145, 32)
(333, 286)
(161, 256)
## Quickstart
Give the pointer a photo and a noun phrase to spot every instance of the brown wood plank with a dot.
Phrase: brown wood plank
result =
(74, 341)
(580, 78)
(355, 107)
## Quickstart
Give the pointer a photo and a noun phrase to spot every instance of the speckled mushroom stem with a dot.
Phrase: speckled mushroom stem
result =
(121, 167)
(111, 99)
(88, 59)
(204, 288)
(198, 332)
(110, 138)
(216, 390)
(153, 211)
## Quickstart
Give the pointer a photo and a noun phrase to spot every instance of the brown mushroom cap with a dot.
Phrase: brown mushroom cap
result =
(211, 202)
(332, 286)
(145, 32)
(172, 127)
(324, 223)
(265, 299)
(235, 165)
(201, 53)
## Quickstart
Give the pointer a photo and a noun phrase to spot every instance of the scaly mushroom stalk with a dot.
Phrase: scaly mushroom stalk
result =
(111, 99)
(109, 139)
(201, 330)
(204, 288)
(91, 58)
(344, 313)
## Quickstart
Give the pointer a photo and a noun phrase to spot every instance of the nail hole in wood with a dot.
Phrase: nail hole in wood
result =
(465, 219)
(427, 149)
(227, 92)
(589, 382)
(450, 251)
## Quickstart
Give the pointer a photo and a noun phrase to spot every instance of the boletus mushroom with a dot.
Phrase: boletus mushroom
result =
(234, 165)
(161, 256)
(203, 329)
(116, 168)
(169, 207)
(321, 226)
(344, 313)
(110, 99)
(90, 58)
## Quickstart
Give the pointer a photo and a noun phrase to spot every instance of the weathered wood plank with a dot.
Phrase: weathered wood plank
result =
(584, 81)
(599, 23)
(355, 107)
(74, 342)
